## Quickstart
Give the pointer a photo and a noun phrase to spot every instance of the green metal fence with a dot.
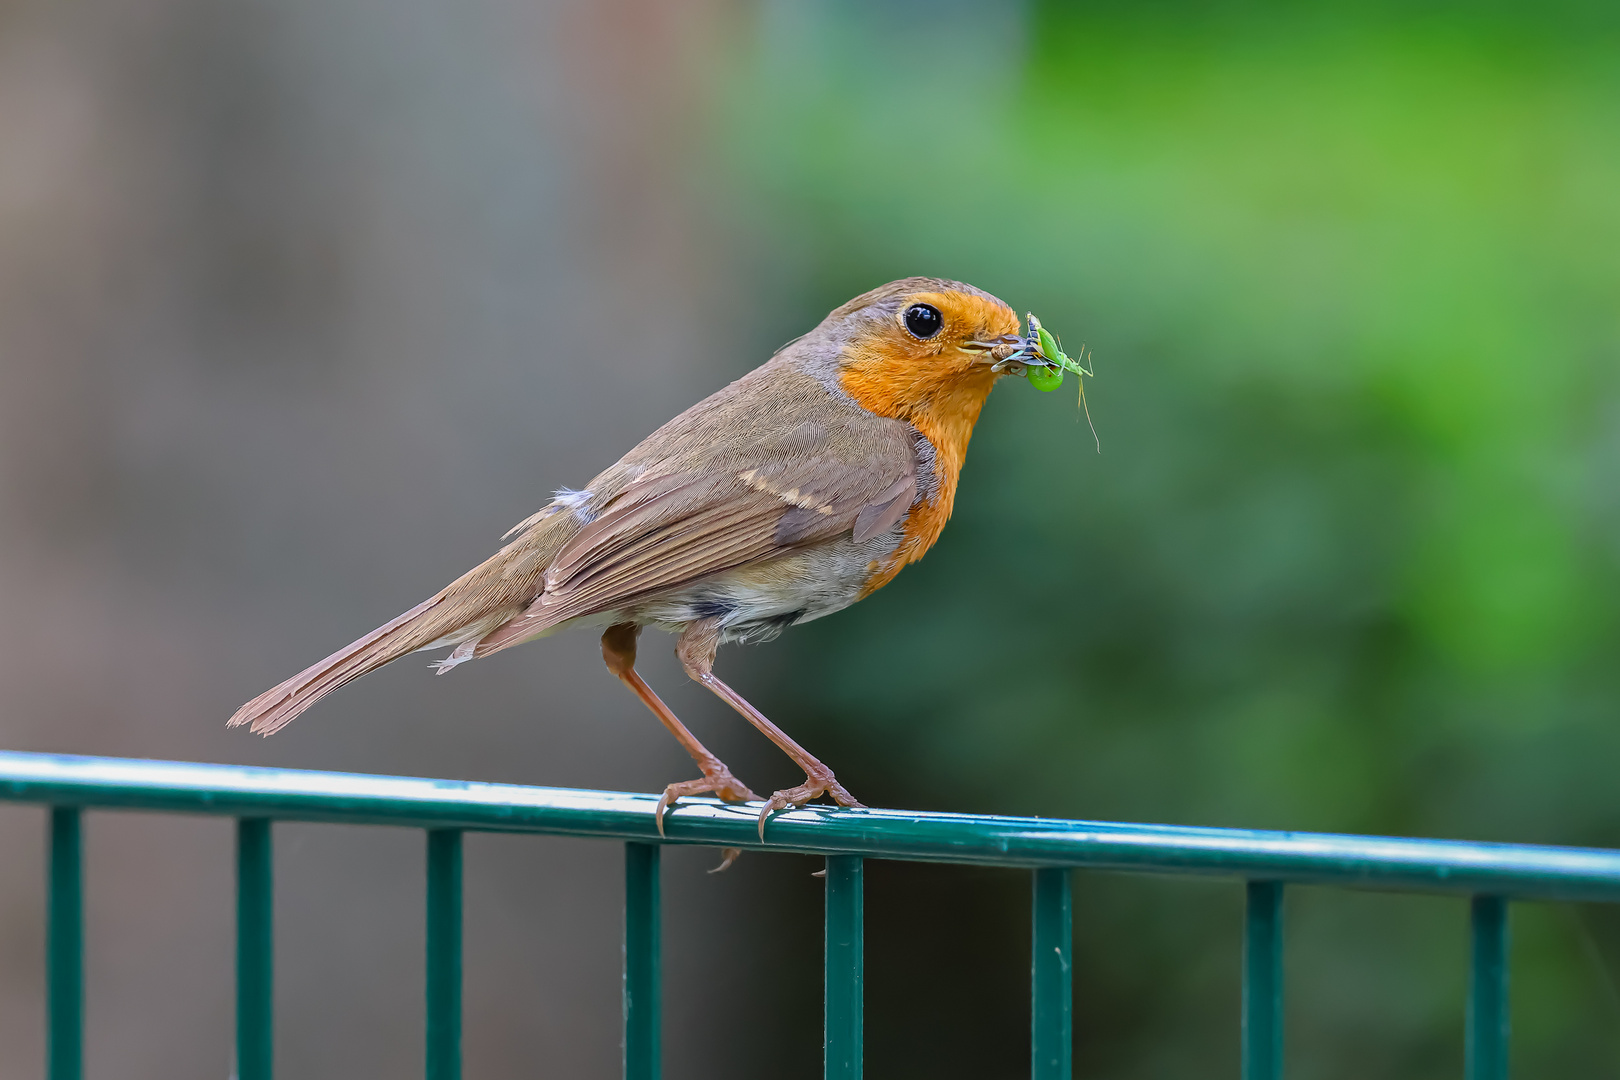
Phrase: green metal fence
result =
(1492, 874)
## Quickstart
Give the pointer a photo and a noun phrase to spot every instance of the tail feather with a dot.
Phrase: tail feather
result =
(470, 607)
(276, 707)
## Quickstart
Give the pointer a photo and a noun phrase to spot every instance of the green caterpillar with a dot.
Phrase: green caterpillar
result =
(1042, 344)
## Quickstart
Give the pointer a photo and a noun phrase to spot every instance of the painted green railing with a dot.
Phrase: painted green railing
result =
(1492, 874)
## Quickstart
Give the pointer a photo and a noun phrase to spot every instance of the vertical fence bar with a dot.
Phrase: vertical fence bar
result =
(1263, 982)
(1051, 1036)
(1487, 1050)
(643, 968)
(255, 947)
(845, 961)
(64, 949)
(443, 954)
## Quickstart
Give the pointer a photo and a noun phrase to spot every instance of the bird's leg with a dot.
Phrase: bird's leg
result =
(696, 648)
(619, 652)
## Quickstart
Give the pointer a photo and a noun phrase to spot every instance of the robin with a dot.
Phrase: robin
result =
(802, 487)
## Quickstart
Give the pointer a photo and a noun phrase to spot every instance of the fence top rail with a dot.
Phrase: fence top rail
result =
(1376, 862)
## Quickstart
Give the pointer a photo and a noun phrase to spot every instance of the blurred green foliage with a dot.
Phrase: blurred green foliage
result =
(1350, 557)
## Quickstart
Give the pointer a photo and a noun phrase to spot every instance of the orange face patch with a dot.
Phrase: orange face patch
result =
(936, 385)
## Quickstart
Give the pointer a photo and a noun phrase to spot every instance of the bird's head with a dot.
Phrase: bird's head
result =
(918, 349)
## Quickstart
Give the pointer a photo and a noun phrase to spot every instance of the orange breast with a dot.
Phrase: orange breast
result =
(944, 408)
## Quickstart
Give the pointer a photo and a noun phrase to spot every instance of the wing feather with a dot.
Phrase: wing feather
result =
(705, 503)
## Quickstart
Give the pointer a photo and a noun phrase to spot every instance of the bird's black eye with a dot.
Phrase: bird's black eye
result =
(923, 320)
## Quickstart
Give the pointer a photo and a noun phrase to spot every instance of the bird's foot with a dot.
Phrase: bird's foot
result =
(816, 784)
(727, 857)
(718, 782)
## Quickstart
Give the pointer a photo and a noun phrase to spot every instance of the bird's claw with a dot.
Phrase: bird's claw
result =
(719, 783)
(727, 857)
(815, 785)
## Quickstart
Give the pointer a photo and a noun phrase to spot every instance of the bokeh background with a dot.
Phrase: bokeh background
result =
(303, 302)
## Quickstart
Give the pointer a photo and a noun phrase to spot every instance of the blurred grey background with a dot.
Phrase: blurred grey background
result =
(303, 304)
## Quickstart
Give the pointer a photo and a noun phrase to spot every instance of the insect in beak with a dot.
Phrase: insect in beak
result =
(998, 351)
(1012, 353)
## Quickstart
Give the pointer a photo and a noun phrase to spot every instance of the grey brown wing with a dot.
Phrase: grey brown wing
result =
(664, 532)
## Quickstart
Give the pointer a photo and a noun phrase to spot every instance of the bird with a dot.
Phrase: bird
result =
(805, 485)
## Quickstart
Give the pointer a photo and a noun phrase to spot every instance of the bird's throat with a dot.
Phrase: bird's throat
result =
(943, 404)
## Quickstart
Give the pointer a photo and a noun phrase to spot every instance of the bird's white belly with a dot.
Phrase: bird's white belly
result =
(759, 601)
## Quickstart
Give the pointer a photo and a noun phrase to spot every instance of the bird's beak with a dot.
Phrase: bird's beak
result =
(996, 350)
(1010, 353)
